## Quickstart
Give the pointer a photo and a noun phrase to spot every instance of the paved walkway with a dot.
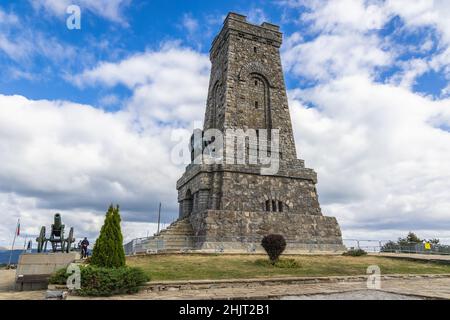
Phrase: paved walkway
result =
(355, 295)
(414, 256)
(392, 287)
(7, 278)
(414, 287)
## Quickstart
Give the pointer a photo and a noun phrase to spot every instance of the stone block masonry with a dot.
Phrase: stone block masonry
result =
(33, 270)
(236, 201)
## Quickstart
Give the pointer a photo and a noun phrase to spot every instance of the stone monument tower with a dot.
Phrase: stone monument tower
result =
(236, 203)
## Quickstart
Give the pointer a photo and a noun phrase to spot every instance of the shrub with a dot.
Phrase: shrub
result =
(108, 250)
(59, 277)
(390, 246)
(274, 244)
(355, 252)
(97, 281)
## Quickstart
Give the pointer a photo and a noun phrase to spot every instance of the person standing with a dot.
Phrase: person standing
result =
(84, 248)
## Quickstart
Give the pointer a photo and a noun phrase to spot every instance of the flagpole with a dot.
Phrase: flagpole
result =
(14, 241)
(159, 216)
(25, 243)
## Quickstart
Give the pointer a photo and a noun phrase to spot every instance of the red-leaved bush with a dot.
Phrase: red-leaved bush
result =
(274, 244)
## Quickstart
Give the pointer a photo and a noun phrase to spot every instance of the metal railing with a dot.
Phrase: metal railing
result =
(216, 244)
(252, 245)
(387, 246)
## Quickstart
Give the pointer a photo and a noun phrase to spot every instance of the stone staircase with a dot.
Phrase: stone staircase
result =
(176, 237)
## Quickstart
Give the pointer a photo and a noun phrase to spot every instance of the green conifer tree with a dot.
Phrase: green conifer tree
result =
(108, 250)
(119, 251)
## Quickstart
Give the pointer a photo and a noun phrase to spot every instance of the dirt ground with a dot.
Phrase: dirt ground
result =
(7, 278)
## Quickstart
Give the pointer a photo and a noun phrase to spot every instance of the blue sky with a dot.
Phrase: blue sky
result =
(86, 115)
(147, 24)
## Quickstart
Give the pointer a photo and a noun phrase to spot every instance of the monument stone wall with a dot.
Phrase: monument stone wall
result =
(230, 200)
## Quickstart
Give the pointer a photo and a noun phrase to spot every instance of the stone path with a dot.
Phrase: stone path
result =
(392, 287)
(413, 256)
(413, 287)
(355, 295)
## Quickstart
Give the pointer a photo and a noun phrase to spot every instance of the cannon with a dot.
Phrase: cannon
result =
(57, 240)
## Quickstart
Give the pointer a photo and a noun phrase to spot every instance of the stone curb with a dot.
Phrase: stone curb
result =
(232, 283)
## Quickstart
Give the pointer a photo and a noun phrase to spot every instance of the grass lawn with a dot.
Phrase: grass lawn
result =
(197, 266)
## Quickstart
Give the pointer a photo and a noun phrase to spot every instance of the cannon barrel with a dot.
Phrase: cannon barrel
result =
(57, 223)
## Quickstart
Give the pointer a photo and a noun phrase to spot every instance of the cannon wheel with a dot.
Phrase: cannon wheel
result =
(70, 240)
(41, 239)
(61, 240)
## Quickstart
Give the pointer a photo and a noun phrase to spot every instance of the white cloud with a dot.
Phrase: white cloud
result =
(411, 70)
(22, 44)
(190, 24)
(78, 154)
(7, 19)
(381, 157)
(420, 13)
(380, 150)
(10, 46)
(133, 230)
(329, 56)
(78, 159)
(348, 43)
(345, 15)
(86, 222)
(108, 9)
(257, 16)
(109, 100)
(15, 50)
(153, 77)
(345, 44)
(59, 156)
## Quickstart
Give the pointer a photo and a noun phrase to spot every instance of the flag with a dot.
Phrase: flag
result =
(18, 228)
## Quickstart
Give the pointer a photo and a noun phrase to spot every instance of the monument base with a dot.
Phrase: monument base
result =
(34, 269)
(243, 231)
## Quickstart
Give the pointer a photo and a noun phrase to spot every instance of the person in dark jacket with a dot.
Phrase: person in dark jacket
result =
(84, 247)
